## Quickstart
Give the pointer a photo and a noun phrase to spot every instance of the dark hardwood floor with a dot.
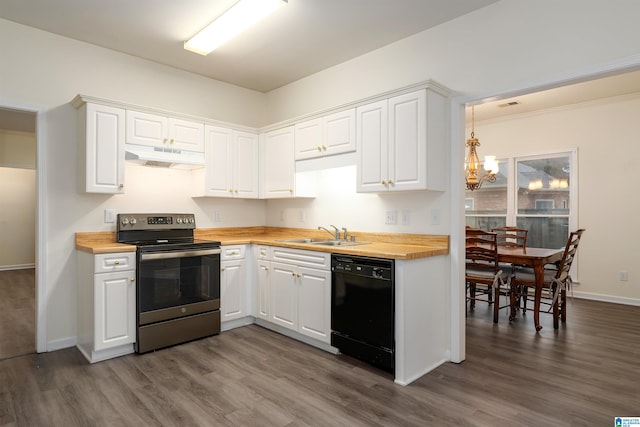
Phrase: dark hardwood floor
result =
(17, 313)
(584, 374)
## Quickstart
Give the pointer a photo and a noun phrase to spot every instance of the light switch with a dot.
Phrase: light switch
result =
(109, 215)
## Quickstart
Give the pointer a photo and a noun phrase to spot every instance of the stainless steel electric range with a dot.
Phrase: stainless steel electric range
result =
(178, 279)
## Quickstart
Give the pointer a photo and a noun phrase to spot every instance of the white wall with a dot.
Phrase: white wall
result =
(605, 133)
(17, 149)
(17, 199)
(17, 218)
(337, 203)
(47, 71)
(505, 46)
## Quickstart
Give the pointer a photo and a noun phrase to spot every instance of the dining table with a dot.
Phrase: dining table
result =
(536, 258)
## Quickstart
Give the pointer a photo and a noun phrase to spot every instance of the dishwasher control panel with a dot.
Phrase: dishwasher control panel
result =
(374, 268)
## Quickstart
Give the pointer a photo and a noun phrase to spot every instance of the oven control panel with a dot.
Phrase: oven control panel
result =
(156, 221)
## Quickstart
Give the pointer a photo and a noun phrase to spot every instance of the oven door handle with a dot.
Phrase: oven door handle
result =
(179, 254)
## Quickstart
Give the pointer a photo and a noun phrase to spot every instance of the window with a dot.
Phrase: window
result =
(486, 208)
(468, 204)
(539, 195)
(544, 204)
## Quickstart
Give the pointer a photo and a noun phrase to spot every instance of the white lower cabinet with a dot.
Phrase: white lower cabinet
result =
(262, 287)
(284, 295)
(314, 303)
(106, 305)
(299, 283)
(234, 287)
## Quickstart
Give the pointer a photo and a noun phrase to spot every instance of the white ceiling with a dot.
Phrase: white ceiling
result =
(605, 87)
(302, 38)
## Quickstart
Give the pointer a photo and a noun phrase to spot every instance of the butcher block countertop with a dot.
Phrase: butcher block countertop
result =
(380, 245)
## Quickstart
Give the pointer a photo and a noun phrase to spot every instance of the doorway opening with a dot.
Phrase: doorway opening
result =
(18, 226)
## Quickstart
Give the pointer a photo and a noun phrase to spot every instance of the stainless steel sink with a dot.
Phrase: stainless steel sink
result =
(303, 240)
(339, 243)
(324, 242)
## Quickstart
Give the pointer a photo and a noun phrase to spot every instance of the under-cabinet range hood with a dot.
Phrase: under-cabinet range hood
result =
(163, 157)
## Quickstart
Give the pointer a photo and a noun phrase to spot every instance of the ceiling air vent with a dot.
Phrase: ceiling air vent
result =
(509, 104)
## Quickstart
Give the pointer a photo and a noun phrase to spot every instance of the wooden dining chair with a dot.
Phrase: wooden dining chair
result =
(557, 280)
(512, 237)
(482, 271)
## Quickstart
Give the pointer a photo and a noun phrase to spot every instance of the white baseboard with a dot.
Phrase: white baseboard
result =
(61, 343)
(17, 267)
(606, 298)
(227, 326)
(297, 336)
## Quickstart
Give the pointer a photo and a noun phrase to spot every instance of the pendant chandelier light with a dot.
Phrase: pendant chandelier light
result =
(472, 163)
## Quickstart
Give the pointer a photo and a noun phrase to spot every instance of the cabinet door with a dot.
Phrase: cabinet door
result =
(115, 309)
(284, 295)
(232, 290)
(279, 164)
(146, 129)
(340, 132)
(218, 163)
(263, 291)
(309, 139)
(314, 304)
(104, 149)
(245, 165)
(407, 141)
(372, 141)
(185, 135)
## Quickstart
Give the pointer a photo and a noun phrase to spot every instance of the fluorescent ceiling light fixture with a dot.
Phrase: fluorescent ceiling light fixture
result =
(238, 18)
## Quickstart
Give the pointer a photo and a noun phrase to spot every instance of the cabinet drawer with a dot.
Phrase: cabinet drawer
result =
(263, 252)
(107, 263)
(321, 260)
(232, 252)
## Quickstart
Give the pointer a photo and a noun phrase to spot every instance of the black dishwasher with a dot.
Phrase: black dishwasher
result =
(362, 309)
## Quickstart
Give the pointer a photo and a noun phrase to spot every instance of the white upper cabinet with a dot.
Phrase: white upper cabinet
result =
(372, 139)
(401, 143)
(218, 173)
(166, 132)
(309, 139)
(245, 165)
(231, 164)
(279, 164)
(340, 132)
(102, 138)
(332, 134)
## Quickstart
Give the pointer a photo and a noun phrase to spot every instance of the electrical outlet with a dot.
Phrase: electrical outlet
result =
(217, 217)
(405, 217)
(391, 217)
(435, 217)
(623, 276)
(281, 215)
(301, 215)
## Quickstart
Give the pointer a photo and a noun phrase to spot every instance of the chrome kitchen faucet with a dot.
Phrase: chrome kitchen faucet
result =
(335, 235)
